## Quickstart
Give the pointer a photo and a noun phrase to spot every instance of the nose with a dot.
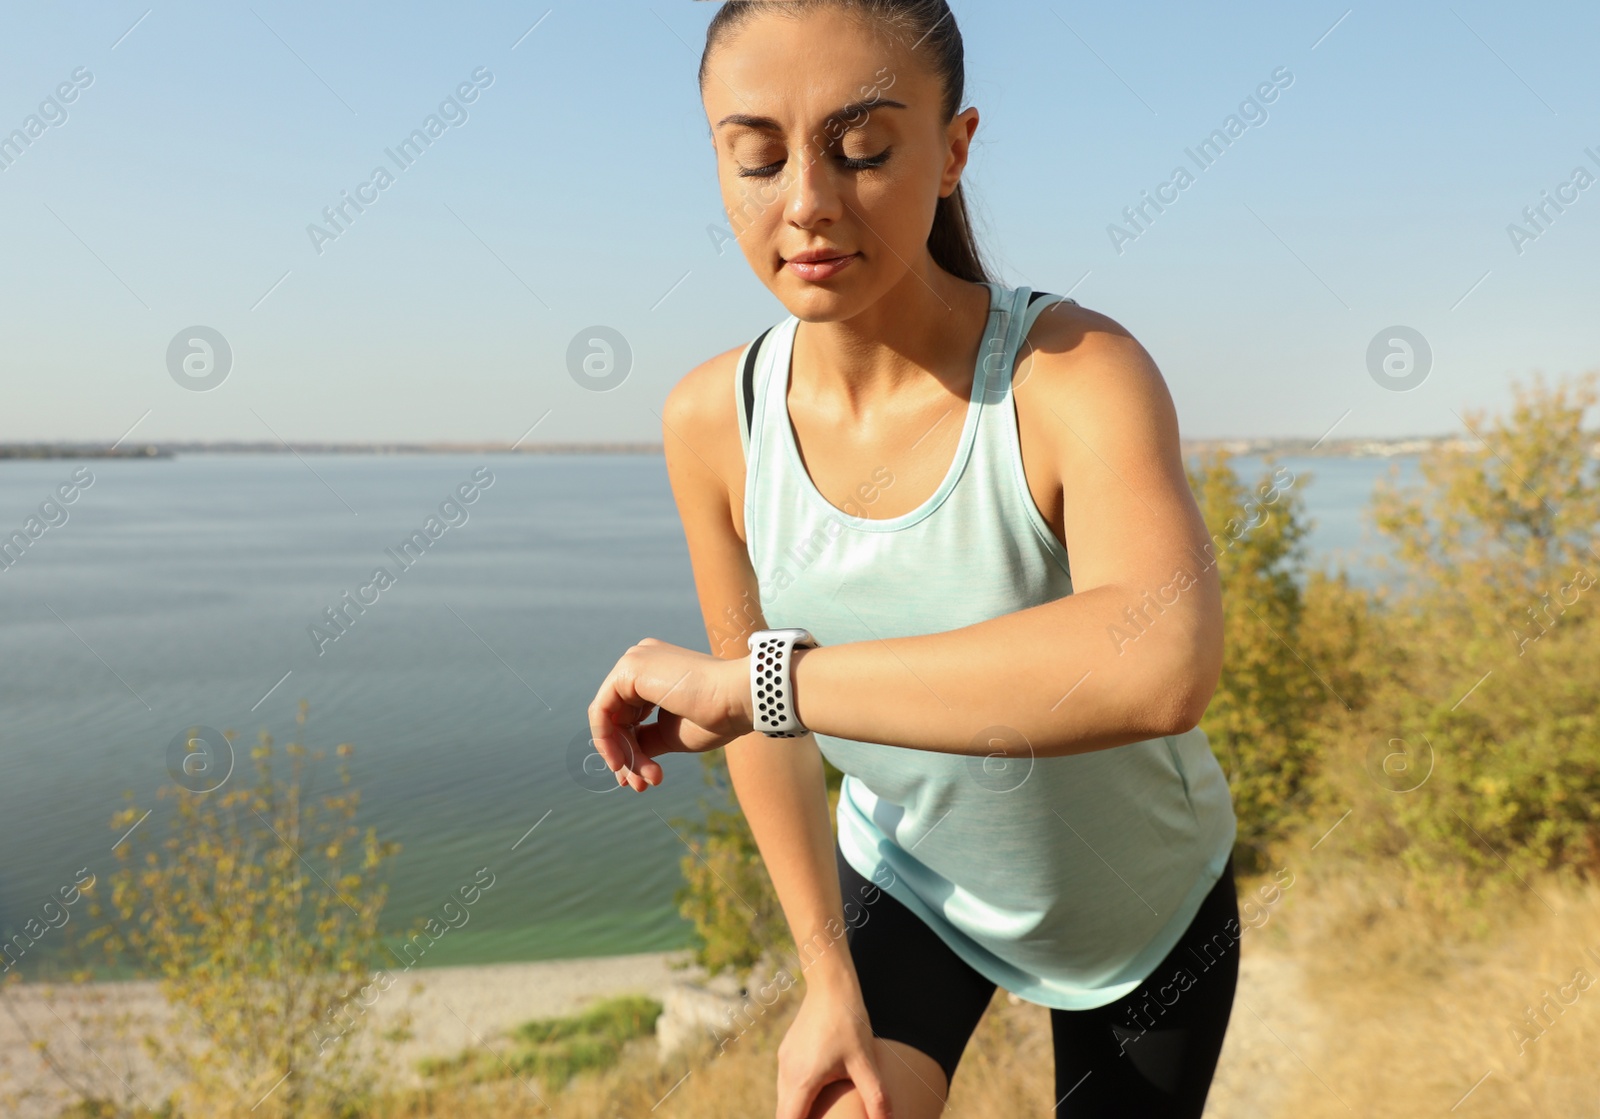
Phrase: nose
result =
(811, 196)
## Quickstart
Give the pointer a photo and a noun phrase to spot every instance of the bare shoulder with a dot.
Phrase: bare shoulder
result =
(1087, 375)
(1100, 446)
(703, 398)
(1079, 352)
(700, 428)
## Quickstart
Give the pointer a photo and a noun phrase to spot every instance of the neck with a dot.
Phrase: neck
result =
(922, 334)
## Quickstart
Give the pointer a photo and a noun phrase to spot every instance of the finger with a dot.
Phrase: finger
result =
(795, 1099)
(619, 751)
(613, 713)
(613, 743)
(620, 706)
(874, 1096)
(676, 734)
(650, 740)
(664, 736)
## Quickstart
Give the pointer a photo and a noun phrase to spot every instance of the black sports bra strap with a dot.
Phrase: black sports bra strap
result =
(747, 382)
(1038, 295)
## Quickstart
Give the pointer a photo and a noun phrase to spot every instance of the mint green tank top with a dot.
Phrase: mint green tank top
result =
(1065, 880)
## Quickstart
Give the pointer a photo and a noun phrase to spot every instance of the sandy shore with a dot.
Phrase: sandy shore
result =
(445, 1010)
(451, 1008)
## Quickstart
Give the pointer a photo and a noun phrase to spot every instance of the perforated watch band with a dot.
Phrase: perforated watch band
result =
(772, 680)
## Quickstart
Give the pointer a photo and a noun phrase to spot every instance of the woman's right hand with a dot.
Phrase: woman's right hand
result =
(830, 1039)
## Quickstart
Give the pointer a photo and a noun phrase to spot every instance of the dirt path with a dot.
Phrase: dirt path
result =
(1273, 1036)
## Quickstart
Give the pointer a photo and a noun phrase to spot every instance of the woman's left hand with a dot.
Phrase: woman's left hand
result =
(704, 704)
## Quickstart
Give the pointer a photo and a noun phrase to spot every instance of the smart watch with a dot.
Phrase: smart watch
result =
(772, 680)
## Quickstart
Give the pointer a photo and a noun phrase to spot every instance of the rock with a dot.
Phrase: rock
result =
(695, 1011)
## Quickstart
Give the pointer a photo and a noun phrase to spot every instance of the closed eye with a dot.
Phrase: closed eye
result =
(865, 163)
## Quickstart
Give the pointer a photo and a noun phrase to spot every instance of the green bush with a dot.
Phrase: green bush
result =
(724, 879)
(1479, 757)
(1272, 689)
(258, 912)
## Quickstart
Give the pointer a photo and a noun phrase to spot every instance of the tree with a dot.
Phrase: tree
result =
(726, 891)
(1270, 693)
(259, 913)
(1495, 713)
(1501, 520)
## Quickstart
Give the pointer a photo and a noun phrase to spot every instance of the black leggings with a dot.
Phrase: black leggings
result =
(1151, 1053)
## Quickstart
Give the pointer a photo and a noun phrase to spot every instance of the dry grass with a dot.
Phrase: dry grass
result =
(1008, 1068)
(1419, 1000)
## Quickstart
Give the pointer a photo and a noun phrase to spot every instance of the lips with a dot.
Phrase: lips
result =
(820, 264)
(812, 256)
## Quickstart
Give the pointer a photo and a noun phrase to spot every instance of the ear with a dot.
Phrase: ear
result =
(959, 137)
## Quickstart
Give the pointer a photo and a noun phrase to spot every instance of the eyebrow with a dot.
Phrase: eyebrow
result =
(854, 109)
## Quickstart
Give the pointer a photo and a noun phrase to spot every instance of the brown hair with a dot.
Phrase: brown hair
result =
(931, 27)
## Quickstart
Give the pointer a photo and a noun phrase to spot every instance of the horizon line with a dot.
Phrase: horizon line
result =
(166, 448)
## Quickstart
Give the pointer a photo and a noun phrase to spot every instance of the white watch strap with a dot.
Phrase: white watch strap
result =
(772, 680)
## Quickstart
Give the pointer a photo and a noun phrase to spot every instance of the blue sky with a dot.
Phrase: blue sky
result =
(580, 189)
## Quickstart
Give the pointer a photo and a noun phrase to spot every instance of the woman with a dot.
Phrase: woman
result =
(1028, 801)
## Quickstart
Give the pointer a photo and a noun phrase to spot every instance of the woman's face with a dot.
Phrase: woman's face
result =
(830, 139)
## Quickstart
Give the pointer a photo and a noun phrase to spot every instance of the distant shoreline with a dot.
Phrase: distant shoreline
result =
(173, 449)
(1355, 447)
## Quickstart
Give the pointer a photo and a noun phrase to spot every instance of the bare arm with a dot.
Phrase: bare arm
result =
(780, 785)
